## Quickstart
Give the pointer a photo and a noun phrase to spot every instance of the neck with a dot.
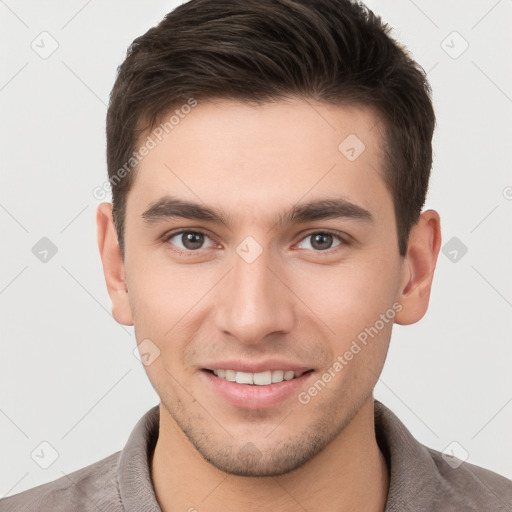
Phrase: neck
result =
(349, 474)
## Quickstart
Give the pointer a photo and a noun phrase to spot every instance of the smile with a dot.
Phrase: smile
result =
(260, 390)
(258, 379)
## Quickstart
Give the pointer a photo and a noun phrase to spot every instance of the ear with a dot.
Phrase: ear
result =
(113, 265)
(418, 265)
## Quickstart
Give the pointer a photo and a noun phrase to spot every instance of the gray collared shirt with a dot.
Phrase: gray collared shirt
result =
(421, 479)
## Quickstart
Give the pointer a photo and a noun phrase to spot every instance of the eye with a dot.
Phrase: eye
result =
(189, 241)
(323, 240)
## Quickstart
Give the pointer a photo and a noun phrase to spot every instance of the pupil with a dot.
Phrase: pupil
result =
(322, 241)
(192, 240)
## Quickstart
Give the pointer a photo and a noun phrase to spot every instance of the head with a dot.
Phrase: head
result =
(302, 132)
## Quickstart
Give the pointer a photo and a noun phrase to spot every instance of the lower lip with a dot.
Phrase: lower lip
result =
(254, 397)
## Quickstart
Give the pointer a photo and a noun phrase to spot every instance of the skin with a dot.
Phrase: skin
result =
(295, 302)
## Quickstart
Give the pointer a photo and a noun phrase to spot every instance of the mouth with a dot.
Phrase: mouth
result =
(255, 391)
(265, 378)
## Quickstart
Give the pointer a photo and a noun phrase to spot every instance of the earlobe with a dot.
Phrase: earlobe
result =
(113, 265)
(419, 265)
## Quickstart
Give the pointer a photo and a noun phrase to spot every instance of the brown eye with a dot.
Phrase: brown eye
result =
(321, 241)
(188, 240)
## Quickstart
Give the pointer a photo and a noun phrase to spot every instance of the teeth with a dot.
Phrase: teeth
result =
(258, 379)
(263, 378)
(277, 376)
(244, 378)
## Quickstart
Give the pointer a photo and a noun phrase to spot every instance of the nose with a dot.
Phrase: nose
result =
(255, 301)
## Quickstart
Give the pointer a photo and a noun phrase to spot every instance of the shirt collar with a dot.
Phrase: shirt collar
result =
(134, 471)
(413, 475)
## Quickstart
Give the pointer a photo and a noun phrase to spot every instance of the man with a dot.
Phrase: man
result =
(269, 162)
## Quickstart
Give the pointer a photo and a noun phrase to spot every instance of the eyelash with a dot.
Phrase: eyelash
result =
(167, 237)
(343, 238)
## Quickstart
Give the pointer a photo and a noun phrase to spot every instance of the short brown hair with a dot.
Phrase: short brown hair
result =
(332, 51)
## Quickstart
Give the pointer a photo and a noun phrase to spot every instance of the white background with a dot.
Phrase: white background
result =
(68, 373)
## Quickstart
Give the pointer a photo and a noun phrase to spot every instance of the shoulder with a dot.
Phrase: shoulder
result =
(91, 488)
(469, 485)
(422, 478)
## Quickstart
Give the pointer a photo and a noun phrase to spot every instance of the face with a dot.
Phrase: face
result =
(288, 258)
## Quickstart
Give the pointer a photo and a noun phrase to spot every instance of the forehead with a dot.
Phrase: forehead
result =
(256, 158)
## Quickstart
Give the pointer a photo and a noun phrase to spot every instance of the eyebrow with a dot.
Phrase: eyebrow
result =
(169, 207)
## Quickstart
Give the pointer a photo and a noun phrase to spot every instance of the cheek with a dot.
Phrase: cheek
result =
(162, 296)
(350, 298)
(350, 303)
(167, 310)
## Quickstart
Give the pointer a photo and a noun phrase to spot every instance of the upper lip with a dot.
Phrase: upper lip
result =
(256, 367)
